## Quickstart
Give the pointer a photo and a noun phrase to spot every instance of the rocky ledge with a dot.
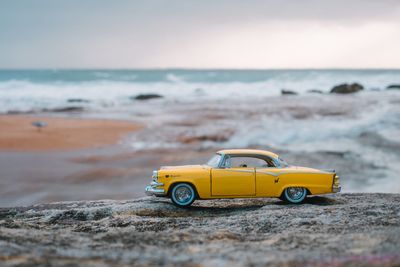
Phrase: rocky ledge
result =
(339, 230)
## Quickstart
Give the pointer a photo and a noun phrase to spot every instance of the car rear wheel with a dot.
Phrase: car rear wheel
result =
(294, 195)
(183, 195)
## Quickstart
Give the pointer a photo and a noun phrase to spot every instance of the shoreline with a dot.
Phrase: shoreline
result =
(17, 134)
(347, 133)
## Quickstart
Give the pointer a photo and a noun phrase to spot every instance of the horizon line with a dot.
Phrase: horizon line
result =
(188, 69)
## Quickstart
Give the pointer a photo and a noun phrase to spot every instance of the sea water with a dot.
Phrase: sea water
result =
(245, 107)
(25, 90)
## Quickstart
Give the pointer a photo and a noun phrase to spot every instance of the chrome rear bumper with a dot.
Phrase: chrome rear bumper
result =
(336, 184)
(152, 190)
(336, 189)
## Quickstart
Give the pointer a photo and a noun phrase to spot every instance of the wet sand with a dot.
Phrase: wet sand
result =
(111, 172)
(344, 130)
(18, 134)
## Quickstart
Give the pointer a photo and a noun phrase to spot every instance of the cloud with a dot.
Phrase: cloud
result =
(218, 33)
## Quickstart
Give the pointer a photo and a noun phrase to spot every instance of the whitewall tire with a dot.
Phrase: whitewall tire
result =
(183, 195)
(294, 195)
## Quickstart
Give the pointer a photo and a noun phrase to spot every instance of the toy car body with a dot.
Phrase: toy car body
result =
(241, 173)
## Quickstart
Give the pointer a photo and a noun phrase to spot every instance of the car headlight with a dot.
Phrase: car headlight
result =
(155, 175)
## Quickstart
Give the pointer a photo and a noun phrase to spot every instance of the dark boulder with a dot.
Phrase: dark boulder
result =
(347, 88)
(145, 96)
(288, 92)
(393, 86)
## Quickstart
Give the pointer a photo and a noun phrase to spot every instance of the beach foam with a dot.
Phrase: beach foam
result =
(211, 109)
(27, 90)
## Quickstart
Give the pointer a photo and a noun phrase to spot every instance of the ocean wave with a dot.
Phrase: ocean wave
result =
(115, 90)
(223, 111)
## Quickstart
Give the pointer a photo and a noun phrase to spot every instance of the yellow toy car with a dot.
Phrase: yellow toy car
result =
(241, 173)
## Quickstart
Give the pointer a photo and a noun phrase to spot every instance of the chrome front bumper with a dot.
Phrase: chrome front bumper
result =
(152, 190)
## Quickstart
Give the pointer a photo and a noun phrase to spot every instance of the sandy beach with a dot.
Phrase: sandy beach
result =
(110, 153)
(105, 136)
(18, 134)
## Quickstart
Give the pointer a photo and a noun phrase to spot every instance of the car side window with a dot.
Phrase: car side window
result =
(244, 162)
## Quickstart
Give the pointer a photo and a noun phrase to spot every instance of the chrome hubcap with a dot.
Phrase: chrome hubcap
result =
(183, 194)
(295, 193)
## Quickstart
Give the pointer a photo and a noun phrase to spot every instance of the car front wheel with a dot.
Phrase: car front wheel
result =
(294, 195)
(183, 195)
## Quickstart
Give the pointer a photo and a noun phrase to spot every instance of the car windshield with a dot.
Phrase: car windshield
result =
(214, 161)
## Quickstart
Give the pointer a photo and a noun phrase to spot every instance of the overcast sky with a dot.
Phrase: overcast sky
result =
(200, 34)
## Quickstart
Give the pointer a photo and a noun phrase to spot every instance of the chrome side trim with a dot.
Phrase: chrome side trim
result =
(238, 170)
(304, 173)
(270, 173)
(279, 173)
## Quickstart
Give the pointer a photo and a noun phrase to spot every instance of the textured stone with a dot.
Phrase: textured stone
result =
(340, 230)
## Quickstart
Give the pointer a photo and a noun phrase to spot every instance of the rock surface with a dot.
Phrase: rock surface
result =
(347, 88)
(146, 96)
(339, 230)
(64, 109)
(393, 86)
(288, 92)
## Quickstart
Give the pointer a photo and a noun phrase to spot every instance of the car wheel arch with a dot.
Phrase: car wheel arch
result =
(282, 191)
(172, 185)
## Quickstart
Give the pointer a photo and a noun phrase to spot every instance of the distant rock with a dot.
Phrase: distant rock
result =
(393, 87)
(347, 88)
(65, 109)
(34, 111)
(222, 137)
(315, 91)
(46, 110)
(146, 96)
(17, 112)
(77, 100)
(288, 92)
